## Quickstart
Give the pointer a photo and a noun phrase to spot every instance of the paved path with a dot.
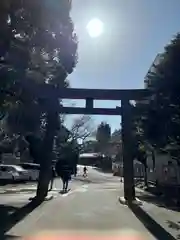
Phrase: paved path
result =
(166, 215)
(81, 211)
(89, 206)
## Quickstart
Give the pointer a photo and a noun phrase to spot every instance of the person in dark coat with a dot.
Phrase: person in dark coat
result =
(53, 175)
(64, 169)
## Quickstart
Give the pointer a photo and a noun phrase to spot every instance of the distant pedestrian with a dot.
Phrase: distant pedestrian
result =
(75, 171)
(85, 171)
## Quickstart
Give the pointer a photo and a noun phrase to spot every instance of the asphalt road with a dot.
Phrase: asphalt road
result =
(91, 205)
(94, 176)
(18, 194)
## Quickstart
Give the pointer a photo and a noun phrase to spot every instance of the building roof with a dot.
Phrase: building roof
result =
(85, 155)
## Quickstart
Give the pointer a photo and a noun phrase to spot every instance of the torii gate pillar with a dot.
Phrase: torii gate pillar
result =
(128, 167)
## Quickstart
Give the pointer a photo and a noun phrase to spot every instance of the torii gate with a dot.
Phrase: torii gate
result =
(52, 94)
(89, 95)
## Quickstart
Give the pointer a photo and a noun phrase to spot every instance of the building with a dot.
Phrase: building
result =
(90, 159)
(111, 149)
(117, 169)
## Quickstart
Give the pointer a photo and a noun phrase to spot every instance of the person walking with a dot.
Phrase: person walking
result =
(64, 170)
(75, 171)
(85, 172)
(53, 175)
(66, 176)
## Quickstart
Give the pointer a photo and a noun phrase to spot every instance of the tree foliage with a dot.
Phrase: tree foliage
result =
(103, 136)
(71, 140)
(103, 133)
(38, 48)
(159, 116)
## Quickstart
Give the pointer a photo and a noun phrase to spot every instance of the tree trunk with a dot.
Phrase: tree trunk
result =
(46, 157)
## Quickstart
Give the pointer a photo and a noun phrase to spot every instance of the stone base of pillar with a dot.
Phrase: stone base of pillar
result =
(47, 198)
(136, 201)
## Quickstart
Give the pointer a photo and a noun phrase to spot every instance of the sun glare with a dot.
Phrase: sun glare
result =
(95, 28)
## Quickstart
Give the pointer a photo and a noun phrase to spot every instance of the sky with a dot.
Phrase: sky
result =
(135, 31)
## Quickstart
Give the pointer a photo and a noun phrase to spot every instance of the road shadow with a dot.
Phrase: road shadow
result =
(13, 183)
(103, 170)
(158, 200)
(10, 216)
(151, 225)
(10, 237)
(86, 180)
(175, 226)
(139, 182)
(82, 179)
(64, 192)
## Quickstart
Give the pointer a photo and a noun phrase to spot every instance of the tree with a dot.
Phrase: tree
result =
(81, 128)
(116, 135)
(140, 153)
(22, 119)
(158, 117)
(141, 145)
(162, 110)
(116, 140)
(37, 48)
(103, 135)
(69, 142)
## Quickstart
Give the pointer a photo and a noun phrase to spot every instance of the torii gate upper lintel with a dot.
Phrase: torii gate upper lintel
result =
(89, 95)
(97, 94)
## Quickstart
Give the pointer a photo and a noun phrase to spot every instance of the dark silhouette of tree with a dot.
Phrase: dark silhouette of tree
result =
(157, 118)
(160, 118)
(103, 136)
(38, 48)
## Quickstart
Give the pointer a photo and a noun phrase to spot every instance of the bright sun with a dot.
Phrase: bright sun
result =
(95, 28)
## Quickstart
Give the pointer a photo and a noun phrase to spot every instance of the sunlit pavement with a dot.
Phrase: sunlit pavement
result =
(89, 206)
(18, 194)
(87, 210)
(94, 176)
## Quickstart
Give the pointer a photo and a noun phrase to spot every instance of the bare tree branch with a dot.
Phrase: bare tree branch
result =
(82, 128)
